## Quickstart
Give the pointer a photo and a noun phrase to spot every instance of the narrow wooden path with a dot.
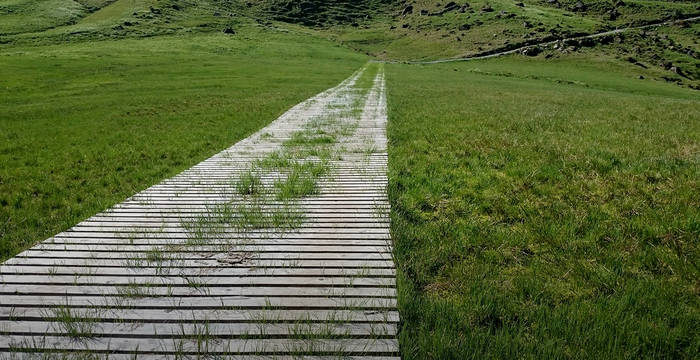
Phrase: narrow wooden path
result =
(190, 267)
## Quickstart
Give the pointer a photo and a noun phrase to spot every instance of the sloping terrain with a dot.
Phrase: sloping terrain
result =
(389, 30)
(35, 15)
(429, 29)
(127, 19)
(321, 13)
(432, 28)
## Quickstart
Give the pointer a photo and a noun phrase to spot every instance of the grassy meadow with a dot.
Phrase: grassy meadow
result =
(544, 210)
(86, 125)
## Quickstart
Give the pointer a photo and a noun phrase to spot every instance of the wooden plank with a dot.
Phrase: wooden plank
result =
(279, 291)
(221, 315)
(337, 200)
(294, 233)
(200, 302)
(251, 235)
(216, 196)
(15, 355)
(215, 263)
(341, 214)
(218, 271)
(230, 240)
(199, 281)
(146, 239)
(215, 330)
(193, 255)
(243, 247)
(178, 227)
(161, 217)
(215, 346)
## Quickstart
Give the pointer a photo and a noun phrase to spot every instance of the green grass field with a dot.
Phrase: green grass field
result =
(544, 210)
(86, 125)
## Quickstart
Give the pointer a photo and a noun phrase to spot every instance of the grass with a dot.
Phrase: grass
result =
(24, 15)
(256, 215)
(544, 210)
(135, 290)
(250, 184)
(72, 322)
(211, 224)
(87, 124)
(320, 13)
(156, 255)
(301, 179)
(296, 184)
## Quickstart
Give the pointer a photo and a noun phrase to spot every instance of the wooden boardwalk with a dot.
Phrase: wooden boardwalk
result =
(160, 275)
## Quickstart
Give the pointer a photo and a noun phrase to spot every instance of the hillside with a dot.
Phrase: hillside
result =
(429, 29)
(390, 30)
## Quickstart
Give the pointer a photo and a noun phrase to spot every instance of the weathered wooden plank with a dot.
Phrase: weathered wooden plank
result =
(242, 247)
(226, 194)
(197, 281)
(221, 315)
(255, 241)
(216, 263)
(219, 271)
(178, 226)
(331, 210)
(250, 235)
(211, 200)
(192, 255)
(214, 330)
(15, 355)
(175, 216)
(199, 302)
(214, 346)
(70, 290)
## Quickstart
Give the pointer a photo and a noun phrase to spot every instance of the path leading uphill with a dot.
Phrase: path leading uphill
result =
(276, 246)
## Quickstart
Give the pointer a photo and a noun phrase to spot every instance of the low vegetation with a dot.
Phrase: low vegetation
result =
(544, 210)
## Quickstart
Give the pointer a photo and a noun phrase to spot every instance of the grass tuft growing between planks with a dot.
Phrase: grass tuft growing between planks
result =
(297, 184)
(74, 323)
(544, 210)
(250, 184)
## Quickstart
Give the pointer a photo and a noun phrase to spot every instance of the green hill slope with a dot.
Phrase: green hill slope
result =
(320, 12)
(430, 29)
(387, 29)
